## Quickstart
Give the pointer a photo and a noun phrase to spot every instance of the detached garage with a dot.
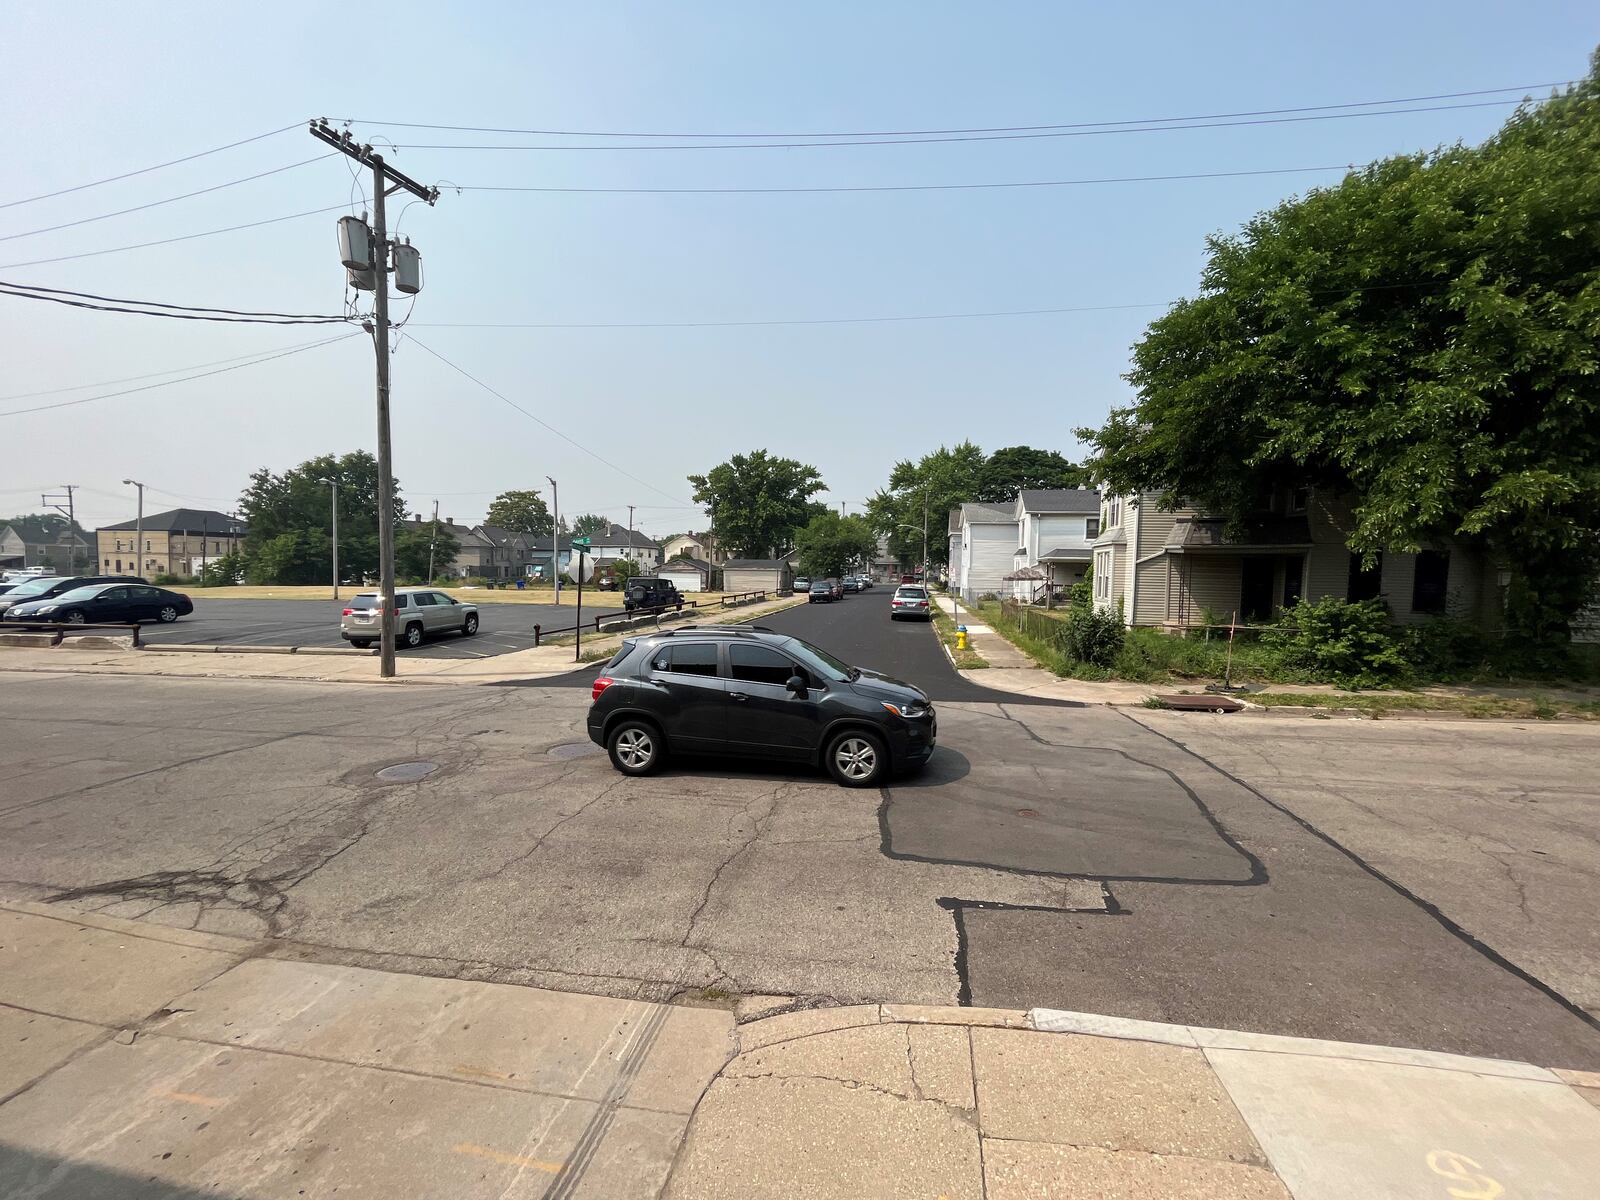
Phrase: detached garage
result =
(756, 575)
(690, 574)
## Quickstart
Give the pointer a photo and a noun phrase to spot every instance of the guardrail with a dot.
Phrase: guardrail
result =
(657, 611)
(63, 629)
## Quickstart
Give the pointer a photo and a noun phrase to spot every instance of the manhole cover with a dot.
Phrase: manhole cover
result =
(408, 772)
(574, 750)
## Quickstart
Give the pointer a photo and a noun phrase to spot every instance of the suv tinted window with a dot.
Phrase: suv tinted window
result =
(687, 658)
(758, 664)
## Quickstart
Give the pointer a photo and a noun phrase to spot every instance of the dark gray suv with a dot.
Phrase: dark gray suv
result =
(744, 691)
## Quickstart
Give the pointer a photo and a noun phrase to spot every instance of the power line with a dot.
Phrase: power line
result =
(186, 237)
(202, 308)
(914, 187)
(122, 212)
(538, 420)
(956, 316)
(983, 137)
(191, 315)
(15, 412)
(157, 167)
(100, 383)
(1262, 112)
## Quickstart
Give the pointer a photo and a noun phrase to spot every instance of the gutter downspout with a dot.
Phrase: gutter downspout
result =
(1132, 511)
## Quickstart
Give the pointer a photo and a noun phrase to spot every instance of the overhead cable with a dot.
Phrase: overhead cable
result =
(187, 312)
(184, 237)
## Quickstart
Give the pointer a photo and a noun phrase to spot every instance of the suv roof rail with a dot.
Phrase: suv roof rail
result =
(718, 629)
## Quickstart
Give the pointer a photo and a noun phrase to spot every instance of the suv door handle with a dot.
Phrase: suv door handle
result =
(741, 697)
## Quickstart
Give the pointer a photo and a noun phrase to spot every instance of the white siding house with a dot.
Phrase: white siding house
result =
(988, 544)
(621, 542)
(1056, 530)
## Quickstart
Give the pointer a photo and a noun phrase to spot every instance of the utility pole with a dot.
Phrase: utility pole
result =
(49, 500)
(433, 540)
(924, 536)
(555, 536)
(631, 507)
(378, 253)
(138, 528)
(333, 485)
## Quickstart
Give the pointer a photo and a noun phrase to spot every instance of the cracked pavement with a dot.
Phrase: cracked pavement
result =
(1409, 883)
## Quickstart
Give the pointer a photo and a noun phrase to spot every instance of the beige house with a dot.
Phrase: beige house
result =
(702, 546)
(178, 542)
(1168, 569)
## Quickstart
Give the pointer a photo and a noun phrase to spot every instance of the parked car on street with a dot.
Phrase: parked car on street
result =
(838, 588)
(649, 592)
(48, 586)
(744, 691)
(821, 592)
(802, 584)
(100, 603)
(418, 612)
(852, 583)
(910, 600)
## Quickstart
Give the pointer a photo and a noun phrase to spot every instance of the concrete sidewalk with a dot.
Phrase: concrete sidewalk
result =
(138, 1061)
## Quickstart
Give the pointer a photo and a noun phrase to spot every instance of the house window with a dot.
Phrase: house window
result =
(1091, 527)
(1428, 585)
(1365, 583)
(1102, 575)
(1114, 510)
(1298, 499)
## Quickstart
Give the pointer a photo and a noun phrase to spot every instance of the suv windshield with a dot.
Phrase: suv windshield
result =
(34, 587)
(820, 661)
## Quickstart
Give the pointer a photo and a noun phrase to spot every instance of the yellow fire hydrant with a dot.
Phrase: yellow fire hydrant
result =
(961, 637)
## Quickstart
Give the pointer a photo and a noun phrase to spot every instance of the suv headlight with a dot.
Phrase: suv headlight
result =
(914, 711)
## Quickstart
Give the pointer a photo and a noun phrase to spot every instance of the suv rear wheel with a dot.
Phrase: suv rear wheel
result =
(856, 758)
(635, 747)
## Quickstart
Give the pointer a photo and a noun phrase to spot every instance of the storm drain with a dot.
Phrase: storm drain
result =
(407, 772)
(574, 750)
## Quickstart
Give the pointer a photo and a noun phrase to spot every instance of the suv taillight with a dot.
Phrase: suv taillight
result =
(348, 611)
(600, 685)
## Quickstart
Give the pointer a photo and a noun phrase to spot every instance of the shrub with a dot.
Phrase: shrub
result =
(167, 579)
(1441, 647)
(1093, 636)
(222, 572)
(1352, 645)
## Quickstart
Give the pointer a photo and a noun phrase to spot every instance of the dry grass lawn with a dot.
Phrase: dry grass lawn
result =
(532, 595)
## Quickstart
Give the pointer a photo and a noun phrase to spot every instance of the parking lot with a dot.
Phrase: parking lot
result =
(502, 627)
(1398, 882)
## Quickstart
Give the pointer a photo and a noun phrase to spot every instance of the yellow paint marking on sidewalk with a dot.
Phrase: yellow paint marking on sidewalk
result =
(510, 1160)
(191, 1098)
(482, 1073)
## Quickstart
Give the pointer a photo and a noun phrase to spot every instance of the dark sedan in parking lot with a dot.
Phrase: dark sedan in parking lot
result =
(105, 602)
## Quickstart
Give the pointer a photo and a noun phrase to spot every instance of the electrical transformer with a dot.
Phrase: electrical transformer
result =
(355, 243)
(407, 269)
(363, 280)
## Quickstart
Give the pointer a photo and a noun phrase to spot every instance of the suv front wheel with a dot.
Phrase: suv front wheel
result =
(635, 747)
(856, 758)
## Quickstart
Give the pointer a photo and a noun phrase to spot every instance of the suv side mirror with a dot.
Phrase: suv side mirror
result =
(798, 683)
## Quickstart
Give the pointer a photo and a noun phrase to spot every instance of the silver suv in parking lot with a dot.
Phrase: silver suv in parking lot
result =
(418, 612)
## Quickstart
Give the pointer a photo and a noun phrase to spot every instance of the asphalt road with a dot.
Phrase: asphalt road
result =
(502, 627)
(1411, 883)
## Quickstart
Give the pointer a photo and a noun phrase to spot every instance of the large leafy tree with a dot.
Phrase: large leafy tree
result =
(1014, 468)
(290, 517)
(830, 545)
(1422, 337)
(756, 501)
(520, 512)
(589, 524)
(931, 486)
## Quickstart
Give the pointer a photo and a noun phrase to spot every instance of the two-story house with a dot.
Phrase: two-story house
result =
(44, 541)
(1056, 529)
(180, 541)
(475, 553)
(1170, 569)
(983, 556)
(621, 542)
(701, 547)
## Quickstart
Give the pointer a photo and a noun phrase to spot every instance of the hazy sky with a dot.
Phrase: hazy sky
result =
(96, 90)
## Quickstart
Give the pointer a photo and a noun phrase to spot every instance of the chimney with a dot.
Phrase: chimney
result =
(449, 520)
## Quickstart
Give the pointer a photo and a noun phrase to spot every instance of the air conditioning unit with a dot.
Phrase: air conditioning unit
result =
(355, 243)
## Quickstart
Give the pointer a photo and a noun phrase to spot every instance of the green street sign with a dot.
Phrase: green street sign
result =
(583, 541)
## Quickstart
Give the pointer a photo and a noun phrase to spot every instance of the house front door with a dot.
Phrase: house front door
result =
(1255, 587)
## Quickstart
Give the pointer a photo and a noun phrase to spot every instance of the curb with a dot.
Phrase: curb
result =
(811, 1022)
(204, 648)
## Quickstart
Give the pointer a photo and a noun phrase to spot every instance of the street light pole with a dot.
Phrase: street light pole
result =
(555, 536)
(138, 528)
(334, 485)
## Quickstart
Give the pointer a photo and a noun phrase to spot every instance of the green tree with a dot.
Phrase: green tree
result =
(1014, 468)
(589, 524)
(756, 501)
(412, 545)
(520, 512)
(934, 485)
(831, 545)
(1421, 337)
(297, 502)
